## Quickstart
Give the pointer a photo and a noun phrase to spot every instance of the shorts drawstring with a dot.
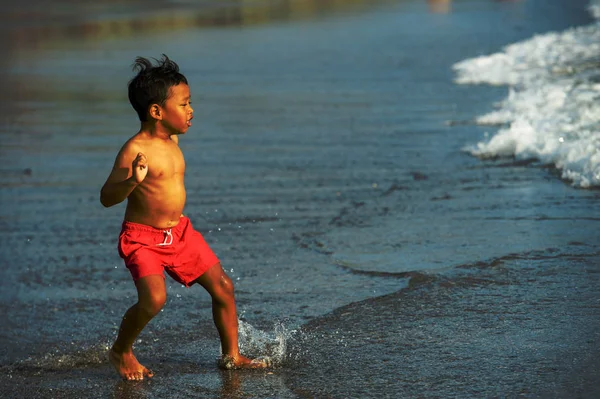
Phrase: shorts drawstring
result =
(168, 238)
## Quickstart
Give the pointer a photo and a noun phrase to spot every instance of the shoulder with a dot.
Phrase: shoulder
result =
(131, 148)
(138, 142)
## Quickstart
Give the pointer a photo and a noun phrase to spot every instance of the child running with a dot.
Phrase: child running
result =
(156, 236)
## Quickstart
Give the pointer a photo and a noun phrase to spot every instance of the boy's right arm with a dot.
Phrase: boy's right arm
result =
(124, 177)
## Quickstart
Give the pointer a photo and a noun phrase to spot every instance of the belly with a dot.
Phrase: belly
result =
(157, 205)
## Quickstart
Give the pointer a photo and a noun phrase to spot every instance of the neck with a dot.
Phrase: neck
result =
(154, 129)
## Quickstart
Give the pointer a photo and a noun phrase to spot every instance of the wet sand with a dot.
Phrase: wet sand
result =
(524, 325)
(327, 175)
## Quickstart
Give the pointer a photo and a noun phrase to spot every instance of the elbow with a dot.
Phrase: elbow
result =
(104, 200)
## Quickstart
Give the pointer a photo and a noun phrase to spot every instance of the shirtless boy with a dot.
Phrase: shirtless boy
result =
(156, 236)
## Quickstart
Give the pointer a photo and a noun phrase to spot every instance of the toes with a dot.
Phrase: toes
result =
(261, 362)
(138, 376)
(148, 373)
(229, 363)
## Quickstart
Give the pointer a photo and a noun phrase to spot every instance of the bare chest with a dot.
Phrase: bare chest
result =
(166, 163)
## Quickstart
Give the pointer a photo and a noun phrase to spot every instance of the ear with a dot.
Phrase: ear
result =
(155, 112)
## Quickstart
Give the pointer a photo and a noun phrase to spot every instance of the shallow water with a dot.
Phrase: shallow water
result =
(326, 169)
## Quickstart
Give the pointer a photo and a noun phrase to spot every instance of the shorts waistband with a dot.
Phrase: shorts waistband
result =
(150, 229)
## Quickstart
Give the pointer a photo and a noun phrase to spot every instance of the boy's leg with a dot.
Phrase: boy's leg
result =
(220, 288)
(152, 295)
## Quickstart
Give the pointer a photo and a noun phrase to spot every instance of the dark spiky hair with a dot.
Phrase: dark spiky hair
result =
(152, 83)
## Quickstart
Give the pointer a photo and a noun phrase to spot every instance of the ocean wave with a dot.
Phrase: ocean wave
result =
(552, 111)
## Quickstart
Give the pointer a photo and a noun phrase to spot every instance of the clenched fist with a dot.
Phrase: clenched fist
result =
(139, 167)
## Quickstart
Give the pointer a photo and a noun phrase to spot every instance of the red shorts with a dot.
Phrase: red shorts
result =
(180, 251)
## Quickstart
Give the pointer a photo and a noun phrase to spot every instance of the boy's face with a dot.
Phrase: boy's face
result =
(177, 113)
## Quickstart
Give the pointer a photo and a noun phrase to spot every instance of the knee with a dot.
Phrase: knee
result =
(153, 303)
(224, 290)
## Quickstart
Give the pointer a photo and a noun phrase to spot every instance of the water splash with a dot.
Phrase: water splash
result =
(58, 359)
(273, 344)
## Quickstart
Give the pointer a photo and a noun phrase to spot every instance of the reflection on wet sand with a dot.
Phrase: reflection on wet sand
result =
(230, 384)
(132, 390)
(30, 24)
(233, 384)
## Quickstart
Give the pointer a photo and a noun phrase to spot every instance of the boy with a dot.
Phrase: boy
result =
(156, 236)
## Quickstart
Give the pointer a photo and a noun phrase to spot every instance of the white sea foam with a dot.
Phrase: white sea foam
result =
(594, 8)
(552, 112)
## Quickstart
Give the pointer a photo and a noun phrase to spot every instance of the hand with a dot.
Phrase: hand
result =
(139, 167)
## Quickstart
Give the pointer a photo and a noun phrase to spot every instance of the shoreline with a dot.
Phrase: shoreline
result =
(67, 19)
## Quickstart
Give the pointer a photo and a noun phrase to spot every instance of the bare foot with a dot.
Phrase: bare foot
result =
(128, 367)
(227, 362)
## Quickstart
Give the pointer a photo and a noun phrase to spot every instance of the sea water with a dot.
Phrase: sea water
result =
(330, 167)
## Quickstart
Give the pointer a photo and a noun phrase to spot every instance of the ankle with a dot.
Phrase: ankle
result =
(231, 355)
(120, 351)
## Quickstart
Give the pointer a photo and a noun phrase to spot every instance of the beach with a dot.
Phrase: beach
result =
(397, 220)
